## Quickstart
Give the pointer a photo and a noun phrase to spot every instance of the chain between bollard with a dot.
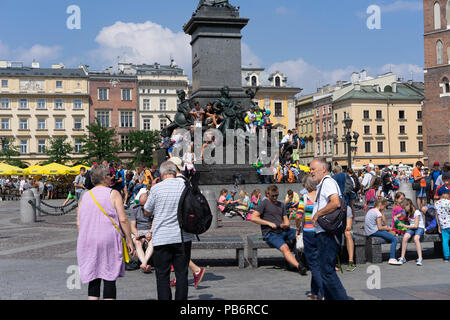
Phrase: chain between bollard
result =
(55, 207)
(52, 214)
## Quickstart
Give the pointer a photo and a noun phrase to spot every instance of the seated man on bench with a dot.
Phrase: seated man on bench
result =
(271, 214)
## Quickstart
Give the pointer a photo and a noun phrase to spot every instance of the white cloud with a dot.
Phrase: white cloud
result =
(249, 57)
(38, 52)
(403, 6)
(146, 42)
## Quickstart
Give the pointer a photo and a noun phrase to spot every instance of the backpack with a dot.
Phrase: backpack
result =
(88, 182)
(194, 213)
(348, 189)
(372, 180)
(357, 185)
(430, 221)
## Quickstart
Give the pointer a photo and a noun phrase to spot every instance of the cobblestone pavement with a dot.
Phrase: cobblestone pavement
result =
(37, 261)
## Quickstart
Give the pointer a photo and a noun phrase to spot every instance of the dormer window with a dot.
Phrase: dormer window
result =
(277, 81)
(254, 81)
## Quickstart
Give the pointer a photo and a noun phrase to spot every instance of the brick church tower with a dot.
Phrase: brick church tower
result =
(436, 110)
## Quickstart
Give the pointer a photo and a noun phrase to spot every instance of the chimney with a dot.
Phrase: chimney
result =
(355, 77)
(363, 75)
(35, 65)
(394, 87)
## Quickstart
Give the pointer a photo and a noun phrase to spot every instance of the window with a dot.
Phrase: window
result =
(58, 104)
(278, 109)
(77, 124)
(336, 150)
(147, 125)
(277, 82)
(402, 129)
(23, 124)
(324, 126)
(419, 115)
(366, 129)
(366, 114)
(380, 147)
(401, 114)
(330, 147)
(103, 94)
(437, 16)
(41, 104)
(317, 112)
(163, 104)
(125, 142)
(379, 129)
(41, 146)
(379, 114)
(336, 117)
(254, 81)
(23, 104)
(318, 147)
(78, 145)
(329, 109)
(367, 147)
(420, 146)
(126, 119)
(126, 94)
(446, 83)
(301, 127)
(59, 124)
(103, 118)
(59, 84)
(5, 103)
(4, 83)
(317, 127)
(23, 146)
(419, 130)
(77, 105)
(402, 146)
(162, 123)
(447, 13)
(146, 104)
(41, 124)
(439, 52)
(5, 124)
(324, 110)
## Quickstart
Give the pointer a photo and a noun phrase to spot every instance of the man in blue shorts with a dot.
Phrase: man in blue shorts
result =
(271, 214)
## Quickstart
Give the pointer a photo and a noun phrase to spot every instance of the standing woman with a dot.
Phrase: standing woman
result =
(99, 245)
(304, 217)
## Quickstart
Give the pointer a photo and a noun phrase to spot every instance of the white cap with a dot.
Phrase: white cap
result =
(371, 165)
(178, 162)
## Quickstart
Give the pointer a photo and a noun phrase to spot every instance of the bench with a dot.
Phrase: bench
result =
(373, 245)
(225, 242)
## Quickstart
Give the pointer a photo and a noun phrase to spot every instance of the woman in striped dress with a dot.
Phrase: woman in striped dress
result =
(305, 209)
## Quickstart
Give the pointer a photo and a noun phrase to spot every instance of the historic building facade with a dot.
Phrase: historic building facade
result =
(38, 104)
(436, 111)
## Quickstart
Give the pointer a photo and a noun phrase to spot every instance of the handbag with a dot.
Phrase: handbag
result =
(126, 256)
(416, 186)
(300, 245)
(331, 222)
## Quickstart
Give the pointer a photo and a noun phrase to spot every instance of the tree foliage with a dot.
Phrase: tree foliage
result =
(100, 144)
(59, 151)
(143, 143)
(10, 153)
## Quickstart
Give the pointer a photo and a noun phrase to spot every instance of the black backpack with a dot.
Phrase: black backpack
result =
(194, 213)
(88, 182)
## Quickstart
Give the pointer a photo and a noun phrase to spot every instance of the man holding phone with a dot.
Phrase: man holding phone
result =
(271, 214)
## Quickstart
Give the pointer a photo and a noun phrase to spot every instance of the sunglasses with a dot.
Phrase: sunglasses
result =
(274, 195)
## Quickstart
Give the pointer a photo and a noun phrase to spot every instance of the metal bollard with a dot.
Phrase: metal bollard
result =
(27, 211)
(210, 196)
(406, 188)
(38, 200)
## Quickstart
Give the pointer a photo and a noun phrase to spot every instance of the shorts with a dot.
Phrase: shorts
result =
(141, 233)
(295, 155)
(422, 193)
(416, 232)
(277, 240)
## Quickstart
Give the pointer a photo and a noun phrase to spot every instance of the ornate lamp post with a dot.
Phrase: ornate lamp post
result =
(348, 138)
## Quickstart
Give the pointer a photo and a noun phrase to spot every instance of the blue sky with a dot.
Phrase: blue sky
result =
(312, 42)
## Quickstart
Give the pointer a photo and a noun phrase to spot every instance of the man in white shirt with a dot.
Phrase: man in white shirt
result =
(365, 184)
(327, 202)
(286, 141)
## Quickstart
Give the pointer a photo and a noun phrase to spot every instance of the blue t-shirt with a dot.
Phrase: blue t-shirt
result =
(121, 174)
(340, 179)
(435, 175)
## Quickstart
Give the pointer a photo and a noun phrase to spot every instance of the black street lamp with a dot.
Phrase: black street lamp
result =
(348, 122)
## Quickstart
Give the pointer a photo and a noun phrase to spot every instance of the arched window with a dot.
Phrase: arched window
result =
(388, 89)
(254, 81)
(446, 85)
(437, 16)
(277, 82)
(439, 52)
(447, 15)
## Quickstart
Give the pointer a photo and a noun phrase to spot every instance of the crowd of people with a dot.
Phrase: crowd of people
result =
(13, 187)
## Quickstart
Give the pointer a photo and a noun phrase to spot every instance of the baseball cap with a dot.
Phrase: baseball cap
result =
(178, 162)
(371, 165)
(436, 164)
(442, 191)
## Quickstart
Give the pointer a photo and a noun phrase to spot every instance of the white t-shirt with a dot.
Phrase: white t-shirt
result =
(439, 181)
(286, 138)
(329, 188)
(421, 222)
(368, 178)
(22, 184)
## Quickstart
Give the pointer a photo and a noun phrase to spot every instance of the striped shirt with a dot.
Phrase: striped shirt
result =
(306, 208)
(163, 203)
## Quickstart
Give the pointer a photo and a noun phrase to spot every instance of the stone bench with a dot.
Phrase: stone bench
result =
(373, 245)
(225, 242)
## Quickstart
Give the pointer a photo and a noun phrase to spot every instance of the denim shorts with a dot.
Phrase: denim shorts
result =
(422, 193)
(277, 240)
(416, 232)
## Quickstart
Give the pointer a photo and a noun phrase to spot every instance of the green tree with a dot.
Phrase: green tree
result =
(10, 152)
(59, 151)
(143, 143)
(100, 143)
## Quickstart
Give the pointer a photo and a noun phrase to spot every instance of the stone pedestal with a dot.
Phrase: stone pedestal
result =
(216, 53)
(27, 211)
(406, 188)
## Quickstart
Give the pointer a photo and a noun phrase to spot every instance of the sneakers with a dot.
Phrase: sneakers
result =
(228, 215)
(446, 260)
(402, 260)
(395, 262)
(419, 262)
(351, 267)
(173, 282)
(198, 277)
(302, 270)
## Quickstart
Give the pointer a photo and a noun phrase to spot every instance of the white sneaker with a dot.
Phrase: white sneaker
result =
(395, 262)
(402, 260)
(419, 262)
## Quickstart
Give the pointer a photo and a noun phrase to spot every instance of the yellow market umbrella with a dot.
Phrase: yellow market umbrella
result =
(7, 170)
(76, 170)
(54, 169)
(304, 168)
(33, 170)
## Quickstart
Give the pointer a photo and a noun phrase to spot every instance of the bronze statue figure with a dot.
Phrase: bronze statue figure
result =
(182, 118)
(232, 114)
(214, 3)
